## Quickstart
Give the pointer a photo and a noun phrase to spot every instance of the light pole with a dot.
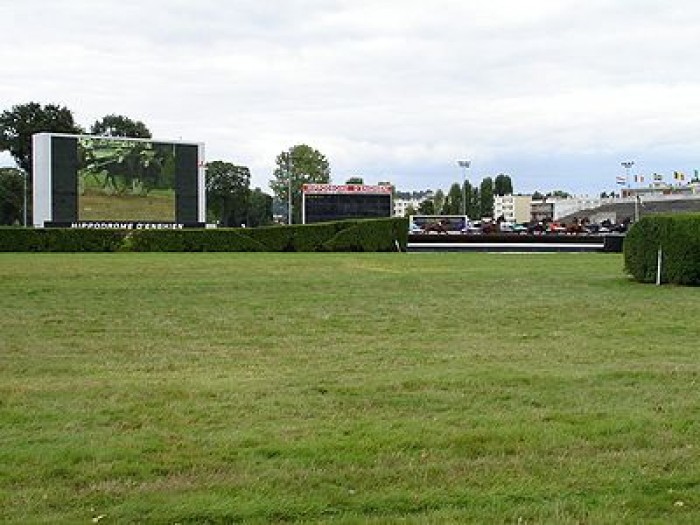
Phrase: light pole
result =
(627, 165)
(24, 204)
(289, 187)
(465, 165)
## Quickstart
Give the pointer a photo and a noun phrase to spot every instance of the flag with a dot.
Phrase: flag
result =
(621, 180)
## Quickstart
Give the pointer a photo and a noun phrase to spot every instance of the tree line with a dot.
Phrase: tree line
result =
(473, 201)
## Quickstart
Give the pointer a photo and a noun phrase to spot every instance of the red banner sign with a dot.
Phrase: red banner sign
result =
(345, 189)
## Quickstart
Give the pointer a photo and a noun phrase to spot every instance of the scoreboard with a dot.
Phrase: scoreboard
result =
(333, 202)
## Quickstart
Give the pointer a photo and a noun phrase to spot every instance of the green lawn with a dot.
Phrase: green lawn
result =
(348, 388)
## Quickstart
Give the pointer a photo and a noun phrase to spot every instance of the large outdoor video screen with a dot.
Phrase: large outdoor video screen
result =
(90, 181)
(120, 180)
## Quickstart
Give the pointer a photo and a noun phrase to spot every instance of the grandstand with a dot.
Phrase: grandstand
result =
(616, 210)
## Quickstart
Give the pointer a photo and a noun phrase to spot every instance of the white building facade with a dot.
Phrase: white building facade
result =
(401, 206)
(513, 208)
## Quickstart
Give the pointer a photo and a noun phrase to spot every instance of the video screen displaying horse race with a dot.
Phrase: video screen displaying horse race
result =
(91, 181)
(125, 180)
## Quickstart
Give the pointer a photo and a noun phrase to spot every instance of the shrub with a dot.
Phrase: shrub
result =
(219, 240)
(365, 235)
(312, 237)
(678, 236)
(371, 236)
(350, 235)
(19, 240)
(60, 240)
(273, 238)
(295, 238)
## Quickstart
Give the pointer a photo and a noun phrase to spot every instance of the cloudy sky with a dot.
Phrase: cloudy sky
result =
(555, 93)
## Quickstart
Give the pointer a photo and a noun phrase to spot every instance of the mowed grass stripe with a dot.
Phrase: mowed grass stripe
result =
(168, 388)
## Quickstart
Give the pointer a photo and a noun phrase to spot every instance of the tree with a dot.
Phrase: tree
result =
(305, 165)
(259, 208)
(120, 126)
(453, 201)
(439, 202)
(427, 207)
(227, 192)
(473, 201)
(503, 185)
(537, 196)
(11, 196)
(559, 194)
(24, 120)
(486, 197)
(355, 180)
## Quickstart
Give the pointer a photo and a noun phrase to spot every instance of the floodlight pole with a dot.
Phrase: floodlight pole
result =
(289, 188)
(465, 164)
(24, 204)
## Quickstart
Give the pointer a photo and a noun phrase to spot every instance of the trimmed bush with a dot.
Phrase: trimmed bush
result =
(273, 238)
(19, 240)
(296, 238)
(60, 240)
(219, 240)
(365, 235)
(678, 236)
(312, 237)
(371, 236)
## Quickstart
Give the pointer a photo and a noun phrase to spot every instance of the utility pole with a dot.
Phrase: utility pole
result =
(289, 187)
(24, 205)
(465, 164)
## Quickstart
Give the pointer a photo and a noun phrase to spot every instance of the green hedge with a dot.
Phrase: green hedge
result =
(296, 238)
(218, 240)
(365, 235)
(60, 240)
(370, 236)
(678, 236)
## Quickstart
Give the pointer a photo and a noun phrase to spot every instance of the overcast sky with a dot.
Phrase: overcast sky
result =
(555, 93)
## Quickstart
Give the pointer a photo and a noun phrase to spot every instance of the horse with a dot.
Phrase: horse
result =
(492, 226)
(536, 228)
(436, 227)
(577, 227)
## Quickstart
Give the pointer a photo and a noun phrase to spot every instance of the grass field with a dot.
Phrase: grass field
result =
(347, 388)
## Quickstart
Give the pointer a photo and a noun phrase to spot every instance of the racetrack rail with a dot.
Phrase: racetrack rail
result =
(514, 243)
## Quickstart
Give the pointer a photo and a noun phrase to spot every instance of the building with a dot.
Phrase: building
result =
(659, 189)
(405, 200)
(541, 211)
(570, 205)
(401, 206)
(513, 208)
